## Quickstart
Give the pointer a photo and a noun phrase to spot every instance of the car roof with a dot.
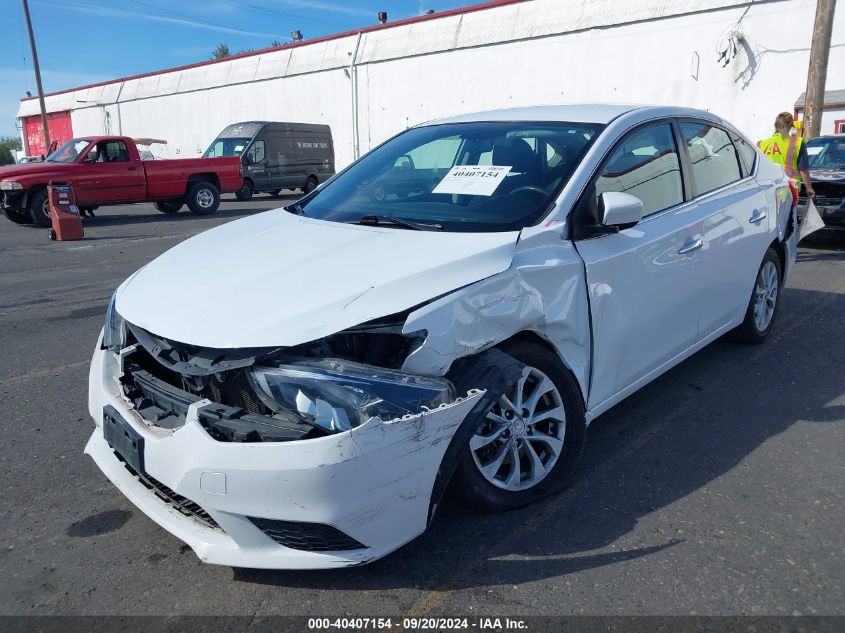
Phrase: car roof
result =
(602, 113)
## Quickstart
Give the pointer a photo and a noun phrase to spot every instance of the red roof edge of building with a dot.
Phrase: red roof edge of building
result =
(366, 29)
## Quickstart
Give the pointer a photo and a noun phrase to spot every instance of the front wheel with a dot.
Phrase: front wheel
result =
(245, 193)
(169, 206)
(764, 301)
(39, 208)
(530, 442)
(203, 198)
(310, 184)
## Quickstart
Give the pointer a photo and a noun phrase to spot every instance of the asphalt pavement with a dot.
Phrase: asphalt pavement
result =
(719, 489)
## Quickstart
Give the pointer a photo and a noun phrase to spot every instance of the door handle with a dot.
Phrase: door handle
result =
(757, 216)
(130, 169)
(691, 246)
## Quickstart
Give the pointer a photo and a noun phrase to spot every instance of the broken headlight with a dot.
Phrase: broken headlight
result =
(337, 395)
(114, 330)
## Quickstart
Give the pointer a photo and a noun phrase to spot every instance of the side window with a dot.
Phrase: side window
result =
(215, 150)
(645, 165)
(713, 156)
(109, 152)
(747, 154)
(256, 152)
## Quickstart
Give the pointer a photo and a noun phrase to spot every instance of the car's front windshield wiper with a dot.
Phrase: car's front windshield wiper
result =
(382, 220)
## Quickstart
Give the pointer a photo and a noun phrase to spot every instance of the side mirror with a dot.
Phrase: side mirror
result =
(619, 209)
(246, 160)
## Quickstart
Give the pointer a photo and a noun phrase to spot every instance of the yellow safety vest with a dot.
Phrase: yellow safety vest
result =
(784, 152)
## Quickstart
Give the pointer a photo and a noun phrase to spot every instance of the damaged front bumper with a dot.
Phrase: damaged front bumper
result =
(333, 501)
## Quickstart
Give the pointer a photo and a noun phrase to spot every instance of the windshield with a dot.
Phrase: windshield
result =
(474, 177)
(226, 147)
(827, 153)
(69, 152)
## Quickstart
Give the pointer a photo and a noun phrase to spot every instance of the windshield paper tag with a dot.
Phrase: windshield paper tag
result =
(473, 180)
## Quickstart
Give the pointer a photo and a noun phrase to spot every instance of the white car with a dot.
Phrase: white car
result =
(297, 389)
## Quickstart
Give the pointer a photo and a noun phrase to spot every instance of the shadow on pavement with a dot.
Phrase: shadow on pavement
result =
(676, 435)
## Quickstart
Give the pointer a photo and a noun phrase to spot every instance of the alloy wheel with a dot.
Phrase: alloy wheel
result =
(205, 198)
(765, 295)
(522, 436)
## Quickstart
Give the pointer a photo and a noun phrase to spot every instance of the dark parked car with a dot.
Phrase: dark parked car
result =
(827, 170)
(277, 155)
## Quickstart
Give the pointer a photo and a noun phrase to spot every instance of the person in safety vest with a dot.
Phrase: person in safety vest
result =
(790, 152)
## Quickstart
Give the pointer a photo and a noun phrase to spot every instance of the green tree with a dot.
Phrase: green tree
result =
(220, 51)
(8, 145)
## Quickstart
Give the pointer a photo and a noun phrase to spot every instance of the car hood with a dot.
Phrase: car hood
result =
(28, 169)
(276, 279)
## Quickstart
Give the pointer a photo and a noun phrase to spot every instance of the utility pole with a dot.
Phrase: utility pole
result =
(817, 73)
(38, 76)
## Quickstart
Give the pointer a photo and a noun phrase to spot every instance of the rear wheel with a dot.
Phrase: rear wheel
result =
(39, 208)
(169, 206)
(765, 298)
(530, 442)
(310, 184)
(18, 217)
(203, 198)
(245, 193)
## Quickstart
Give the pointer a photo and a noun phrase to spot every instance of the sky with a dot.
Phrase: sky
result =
(87, 41)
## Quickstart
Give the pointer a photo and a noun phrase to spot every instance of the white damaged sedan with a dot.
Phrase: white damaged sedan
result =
(297, 389)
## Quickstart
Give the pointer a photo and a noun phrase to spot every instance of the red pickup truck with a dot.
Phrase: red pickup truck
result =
(108, 170)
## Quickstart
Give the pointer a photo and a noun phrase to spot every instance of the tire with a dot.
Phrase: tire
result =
(310, 184)
(498, 490)
(169, 206)
(764, 301)
(18, 217)
(52, 234)
(39, 208)
(203, 198)
(245, 193)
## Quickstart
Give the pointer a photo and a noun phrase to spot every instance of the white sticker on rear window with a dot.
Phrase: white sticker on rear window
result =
(812, 151)
(473, 180)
